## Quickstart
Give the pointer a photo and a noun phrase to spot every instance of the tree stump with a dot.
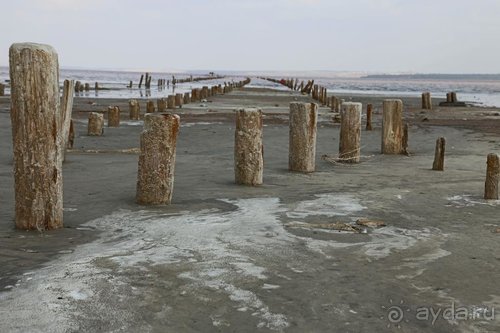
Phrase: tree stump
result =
(66, 110)
(438, 163)
(150, 107)
(171, 102)
(162, 104)
(178, 100)
(36, 133)
(113, 116)
(350, 133)
(369, 110)
(492, 176)
(134, 109)
(96, 124)
(248, 147)
(392, 127)
(187, 99)
(302, 137)
(426, 101)
(155, 179)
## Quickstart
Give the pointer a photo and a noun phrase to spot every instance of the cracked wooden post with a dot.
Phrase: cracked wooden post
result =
(178, 100)
(66, 110)
(492, 176)
(392, 127)
(438, 163)
(369, 110)
(187, 99)
(36, 135)
(161, 104)
(134, 109)
(302, 137)
(426, 101)
(171, 102)
(150, 107)
(155, 177)
(96, 124)
(350, 132)
(113, 116)
(248, 147)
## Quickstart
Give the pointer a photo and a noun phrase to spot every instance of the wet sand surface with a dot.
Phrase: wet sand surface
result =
(227, 258)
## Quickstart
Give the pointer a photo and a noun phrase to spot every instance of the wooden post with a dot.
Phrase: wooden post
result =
(187, 99)
(87, 87)
(248, 147)
(454, 98)
(2, 89)
(404, 141)
(162, 104)
(426, 101)
(150, 106)
(155, 178)
(438, 164)
(130, 84)
(392, 127)
(77, 86)
(71, 135)
(96, 124)
(350, 132)
(134, 109)
(171, 102)
(66, 110)
(113, 116)
(178, 100)
(36, 133)
(96, 86)
(302, 137)
(369, 110)
(492, 175)
(140, 81)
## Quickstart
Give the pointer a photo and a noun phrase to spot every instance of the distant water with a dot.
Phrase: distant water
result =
(481, 90)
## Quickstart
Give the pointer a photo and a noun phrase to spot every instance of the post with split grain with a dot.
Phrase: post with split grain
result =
(248, 147)
(66, 110)
(438, 163)
(155, 178)
(36, 134)
(96, 124)
(369, 111)
(302, 137)
(134, 109)
(426, 101)
(492, 176)
(392, 127)
(350, 132)
(113, 116)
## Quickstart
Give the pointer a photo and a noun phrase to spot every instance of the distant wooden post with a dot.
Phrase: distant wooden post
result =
(130, 84)
(134, 109)
(87, 87)
(140, 81)
(150, 106)
(178, 100)
(66, 110)
(187, 99)
(96, 86)
(77, 86)
(404, 140)
(426, 101)
(36, 133)
(392, 127)
(2, 89)
(454, 98)
(162, 104)
(113, 116)
(248, 147)
(302, 137)
(71, 135)
(438, 164)
(96, 124)
(155, 177)
(492, 176)
(171, 102)
(350, 132)
(369, 110)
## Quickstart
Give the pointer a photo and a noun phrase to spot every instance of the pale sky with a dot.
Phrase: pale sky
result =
(425, 36)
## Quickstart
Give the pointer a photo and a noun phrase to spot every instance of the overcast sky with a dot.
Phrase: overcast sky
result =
(445, 36)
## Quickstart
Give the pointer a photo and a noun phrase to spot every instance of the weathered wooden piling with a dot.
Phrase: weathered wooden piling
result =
(350, 133)
(36, 134)
(392, 127)
(96, 124)
(155, 177)
(96, 86)
(134, 109)
(150, 106)
(187, 99)
(302, 137)
(248, 147)
(178, 100)
(492, 176)
(171, 102)
(87, 87)
(71, 135)
(438, 163)
(113, 116)
(77, 86)
(66, 110)
(369, 110)
(2, 89)
(426, 101)
(161, 103)
(140, 81)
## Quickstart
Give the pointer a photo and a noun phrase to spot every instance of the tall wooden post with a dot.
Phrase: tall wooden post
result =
(178, 100)
(66, 110)
(438, 163)
(36, 134)
(162, 104)
(248, 147)
(392, 127)
(155, 177)
(150, 106)
(113, 116)
(350, 132)
(187, 99)
(426, 101)
(171, 102)
(2, 89)
(302, 139)
(492, 176)
(96, 124)
(369, 110)
(134, 109)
